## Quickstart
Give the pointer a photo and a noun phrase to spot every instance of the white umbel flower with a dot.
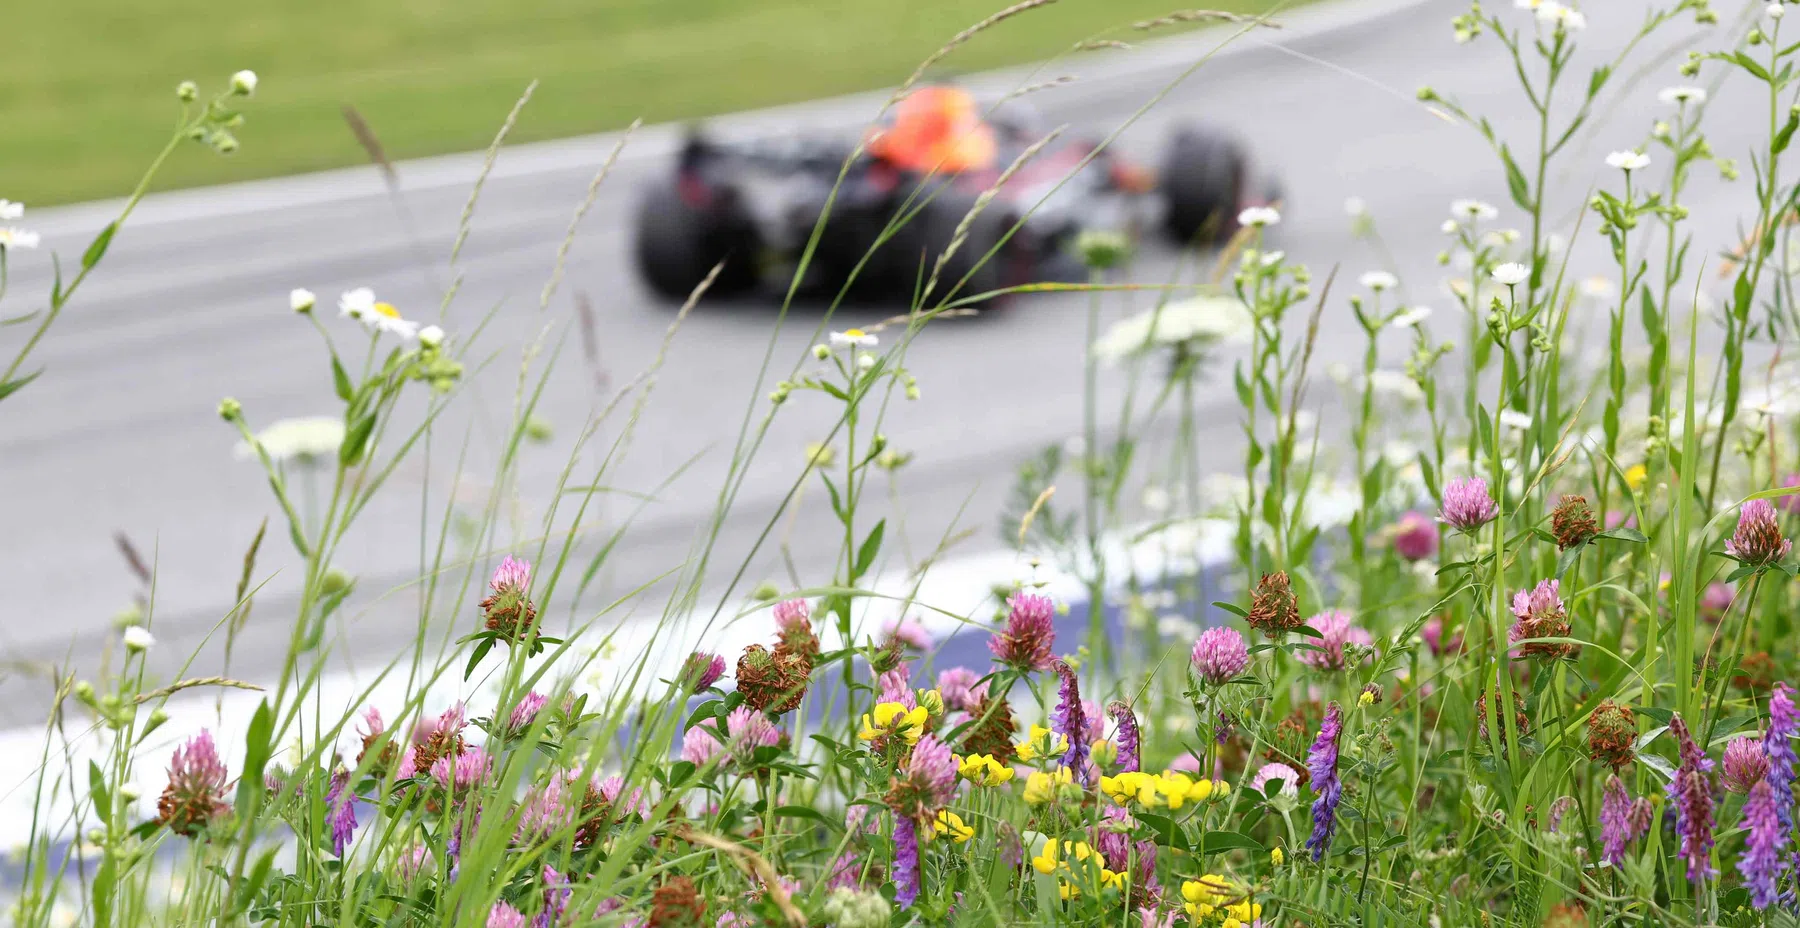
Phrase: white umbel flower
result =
(305, 440)
(243, 83)
(1257, 217)
(853, 338)
(1379, 281)
(1511, 274)
(10, 210)
(1192, 322)
(138, 639)
(302, 300)
(1474, 210)
(1411, 317)
(360, 304)
(1682, 96)
(1775, 10)
(1628, 161)
(11, 239)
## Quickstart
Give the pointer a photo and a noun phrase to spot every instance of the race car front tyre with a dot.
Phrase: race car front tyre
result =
(1202, 184)
(679, 243)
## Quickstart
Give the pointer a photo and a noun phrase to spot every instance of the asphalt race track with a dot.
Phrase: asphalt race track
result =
(120, 433)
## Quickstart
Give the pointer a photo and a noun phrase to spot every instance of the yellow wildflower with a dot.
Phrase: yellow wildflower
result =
(983, 770)
(1042, 742)
(1636, 476)
(1276, 857)
(892, 718)
(1041, 787)
(1366, 699)
(949, 823)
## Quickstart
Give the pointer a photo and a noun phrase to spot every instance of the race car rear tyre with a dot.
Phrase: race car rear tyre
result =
(678, 244)
(1202, 185)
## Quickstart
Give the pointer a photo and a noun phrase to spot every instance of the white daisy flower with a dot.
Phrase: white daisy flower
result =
(1354, 207)
(1548, 11)
(1515, 420)
(1681, 96)
(1379, 281)
(1628, 161)
(1527, 4)
(1598, 288)
(1449, 227)
(243, 83)
(305, 440)
(360, 304)
(856, 338)
(1571, 20)
(1411, 317)
(138, 638)
(1259, 216)
(1774, 11)
(1511, 274)
(431, 336)
(301, 300)
(11, 238)
(1473, 209)
(11, 209)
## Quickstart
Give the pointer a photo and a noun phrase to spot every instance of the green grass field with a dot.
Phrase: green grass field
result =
(87, 96)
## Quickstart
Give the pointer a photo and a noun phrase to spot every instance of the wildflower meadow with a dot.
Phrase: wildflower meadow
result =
(1495, 628)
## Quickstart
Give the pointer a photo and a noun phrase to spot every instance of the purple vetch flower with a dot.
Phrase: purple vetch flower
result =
(1784, 720)
(462, 771)
(1128, 737)
(701, 670)
(1690, 794)
(1745, 764)
(1070, 720)
(1026, 640)
(525, 712)
(1157, 918)
(340, 811)
(748, 730)
(1096, 720)
(503, 915)
(906, 861)
(1219, 655)
(961, 688)
(1559, 808)
(1415, 537)
(1467, 505)
(1321, 762)
(1620, 822)
(1758, 540)
(1336, 632)
(846, 872)
(557, 890)
(1761, 864)
(412, 862)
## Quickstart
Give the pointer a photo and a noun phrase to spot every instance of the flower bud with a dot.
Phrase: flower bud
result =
(243, 83)
(765, 592)
(230, 410)
(223, 142)
(431, 336)
(821, 352)
(1427, 95)
(187, 91)
(84, 691)
(301, 300)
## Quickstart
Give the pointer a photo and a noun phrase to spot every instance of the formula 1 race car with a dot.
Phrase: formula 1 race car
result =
(753, 207)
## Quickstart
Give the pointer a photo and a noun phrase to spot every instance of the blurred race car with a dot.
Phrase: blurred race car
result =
(754, 206)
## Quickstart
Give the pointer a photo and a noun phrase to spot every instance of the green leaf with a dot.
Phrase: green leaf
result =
(1659, 715)
(1165, 831)
(253, 884)
(1515, 180)
(257, 739)
(8, 388)
(1232, 608)
(1216, 842)
(340, 380)
(1786, 134)
(1566, 560)
(356, 440)
(871, 546)
(1625, 533)
(807, 812)
(97, 791)
(97, 249)
(481, 651)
